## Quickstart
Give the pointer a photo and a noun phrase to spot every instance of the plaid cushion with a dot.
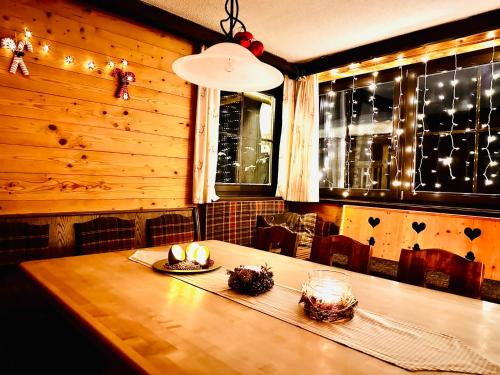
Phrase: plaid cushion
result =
(235, 221)
(305, 228)
(20, 242)
(169, 229)
(104, 234)
(325, 228)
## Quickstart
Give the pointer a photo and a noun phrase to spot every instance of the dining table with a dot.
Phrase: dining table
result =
(159, 324)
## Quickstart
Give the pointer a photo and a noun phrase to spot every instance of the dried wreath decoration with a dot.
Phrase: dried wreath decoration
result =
(18, 51)
(251, 280)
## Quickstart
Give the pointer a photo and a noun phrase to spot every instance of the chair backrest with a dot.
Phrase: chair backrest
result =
(170, 229)
(20, 242)
(355, 255)
(464, 277)
(104, 234)
(277, 236)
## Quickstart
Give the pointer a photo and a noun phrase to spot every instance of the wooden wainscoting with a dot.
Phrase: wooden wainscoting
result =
(67, 143)
(442, 231)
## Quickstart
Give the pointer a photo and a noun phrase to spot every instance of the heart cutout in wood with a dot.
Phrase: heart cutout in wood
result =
(371, 241)
(374, 221)
(418, 227)
(470, 256)
(472, 233)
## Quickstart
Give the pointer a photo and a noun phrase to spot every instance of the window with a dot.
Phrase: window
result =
(356, 128)
(424, 133)
(457, 132)
(246, 147)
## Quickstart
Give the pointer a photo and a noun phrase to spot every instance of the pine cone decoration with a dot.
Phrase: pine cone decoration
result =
(251, 280)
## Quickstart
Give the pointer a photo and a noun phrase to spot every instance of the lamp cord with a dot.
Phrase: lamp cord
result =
(232, 9)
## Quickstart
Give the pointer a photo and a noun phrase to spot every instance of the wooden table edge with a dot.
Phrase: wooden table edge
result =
(132, 358)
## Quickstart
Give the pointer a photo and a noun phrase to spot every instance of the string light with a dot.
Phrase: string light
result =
(90, 65)
(45, 48)
(489, 139)
(110, 64)
(454, 83)
(348, 132)
(68, 60)
(398, 132)
(421, 118)
(370, 182)
(27, 33)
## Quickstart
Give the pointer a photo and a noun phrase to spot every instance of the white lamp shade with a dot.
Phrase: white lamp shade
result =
(228, 67)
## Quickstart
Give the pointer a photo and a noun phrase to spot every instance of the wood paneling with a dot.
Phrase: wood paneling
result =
(442, 231)
(328, 212)
(67, 144)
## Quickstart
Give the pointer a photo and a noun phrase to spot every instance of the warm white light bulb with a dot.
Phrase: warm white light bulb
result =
(45, 48)
(441, 97)
(345, 194)
(90, 65)
(69, 60)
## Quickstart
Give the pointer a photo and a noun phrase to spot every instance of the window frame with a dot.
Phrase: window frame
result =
(403, 194)
(246, 190)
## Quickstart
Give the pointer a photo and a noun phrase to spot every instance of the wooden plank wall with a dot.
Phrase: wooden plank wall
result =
(442, 231)
(66, 143)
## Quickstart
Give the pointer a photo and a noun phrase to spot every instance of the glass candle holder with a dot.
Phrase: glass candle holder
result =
(327, 296)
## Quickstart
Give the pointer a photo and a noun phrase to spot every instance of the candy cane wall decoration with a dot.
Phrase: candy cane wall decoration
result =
(124, 78)
(18, 51)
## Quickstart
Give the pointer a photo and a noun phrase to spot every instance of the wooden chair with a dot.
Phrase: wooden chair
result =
(21, 241)
(170, 229)
(341, 251)
(104, 234)
(464, 277)
(277, 237)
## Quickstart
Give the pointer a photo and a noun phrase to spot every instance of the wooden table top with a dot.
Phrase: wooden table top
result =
(159, 324)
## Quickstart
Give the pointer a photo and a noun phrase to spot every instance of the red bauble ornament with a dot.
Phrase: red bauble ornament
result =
(257, 48)
(245, 43)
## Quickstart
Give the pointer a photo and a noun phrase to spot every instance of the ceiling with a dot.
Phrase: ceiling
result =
(299, 30)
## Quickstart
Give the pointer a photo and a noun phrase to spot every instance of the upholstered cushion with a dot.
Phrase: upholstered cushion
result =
(305, 228)
(104, 234)
(169, 229)
(21, 241)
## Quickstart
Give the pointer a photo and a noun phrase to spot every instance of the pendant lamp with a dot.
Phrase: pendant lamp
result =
(232, 65)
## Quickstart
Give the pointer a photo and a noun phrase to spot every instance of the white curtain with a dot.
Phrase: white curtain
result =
(298, 167)
(205, 145)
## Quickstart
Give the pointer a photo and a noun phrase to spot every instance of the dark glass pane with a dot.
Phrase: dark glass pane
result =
(245, 138)
(488, 171)
(435, 109)
(442, 170)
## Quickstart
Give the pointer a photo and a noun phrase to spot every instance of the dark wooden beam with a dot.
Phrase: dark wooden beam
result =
(158, 18)
(452, 30)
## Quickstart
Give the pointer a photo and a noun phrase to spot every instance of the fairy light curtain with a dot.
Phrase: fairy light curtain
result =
(205, 145)
(298, 158)
(356, 132)
(458, 130)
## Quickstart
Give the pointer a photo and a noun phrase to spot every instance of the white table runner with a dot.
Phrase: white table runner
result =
(402, 344)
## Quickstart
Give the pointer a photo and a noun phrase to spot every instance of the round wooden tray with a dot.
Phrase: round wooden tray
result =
(160, 266)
